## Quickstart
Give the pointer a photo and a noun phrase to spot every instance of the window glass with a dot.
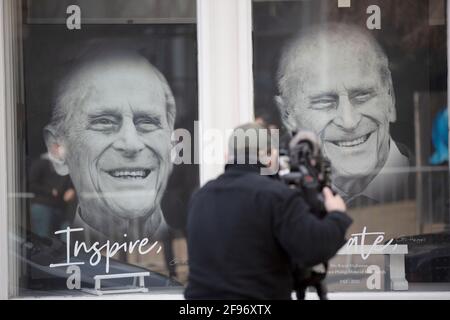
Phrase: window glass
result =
(369, 77)
(106, 84)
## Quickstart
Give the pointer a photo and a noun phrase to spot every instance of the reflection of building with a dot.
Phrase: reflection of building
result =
(432, 184)
(116, 11)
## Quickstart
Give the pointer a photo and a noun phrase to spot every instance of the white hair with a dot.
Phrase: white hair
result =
(336, 31)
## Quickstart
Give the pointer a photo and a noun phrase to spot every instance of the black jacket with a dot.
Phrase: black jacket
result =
(245, 230)
(43, 179)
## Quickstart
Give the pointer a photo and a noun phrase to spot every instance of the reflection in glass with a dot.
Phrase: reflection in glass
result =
(370, 91)
(101, 104)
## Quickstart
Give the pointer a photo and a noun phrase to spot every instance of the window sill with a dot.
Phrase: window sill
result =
(425, 295)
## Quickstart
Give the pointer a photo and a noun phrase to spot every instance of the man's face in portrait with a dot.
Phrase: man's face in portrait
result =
(337, 89)
(116, 141)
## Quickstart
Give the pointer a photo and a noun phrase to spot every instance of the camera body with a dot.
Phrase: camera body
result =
(304, 167)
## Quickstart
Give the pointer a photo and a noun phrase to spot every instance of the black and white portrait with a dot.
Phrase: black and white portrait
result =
(334, 79)
(112, 119)
(349, 74)
(104, 112)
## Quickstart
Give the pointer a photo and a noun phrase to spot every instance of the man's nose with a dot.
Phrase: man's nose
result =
(128, 141)
(348, 116)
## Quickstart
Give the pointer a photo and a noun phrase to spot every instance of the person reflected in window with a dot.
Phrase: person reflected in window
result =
(439, 138)
(51, 194)
(334, 79)
(113, 116)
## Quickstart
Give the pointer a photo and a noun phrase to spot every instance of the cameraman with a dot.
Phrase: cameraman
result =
(245, 230)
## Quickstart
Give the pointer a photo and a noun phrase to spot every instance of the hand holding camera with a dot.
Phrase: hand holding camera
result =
(306, 169)
(333, 202)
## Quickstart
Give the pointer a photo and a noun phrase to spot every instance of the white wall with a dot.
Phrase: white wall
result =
(225, 71)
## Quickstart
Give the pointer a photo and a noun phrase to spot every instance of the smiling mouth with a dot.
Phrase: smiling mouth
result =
(129, 173)
(352, 143)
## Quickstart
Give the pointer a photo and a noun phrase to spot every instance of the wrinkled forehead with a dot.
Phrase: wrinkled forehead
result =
(106, 71)
(328, 55)
(112, 80)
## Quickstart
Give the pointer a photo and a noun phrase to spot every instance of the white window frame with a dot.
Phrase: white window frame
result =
(225, 100)
(11, 96)
(4, 256)
(225, 71)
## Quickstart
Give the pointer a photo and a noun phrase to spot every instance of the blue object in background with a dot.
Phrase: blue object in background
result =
(439, 136)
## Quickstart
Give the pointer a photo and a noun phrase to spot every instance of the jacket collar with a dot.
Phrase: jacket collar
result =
(248, 168)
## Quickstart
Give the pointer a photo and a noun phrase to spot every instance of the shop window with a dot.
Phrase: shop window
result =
(369, 78)
(105, 85)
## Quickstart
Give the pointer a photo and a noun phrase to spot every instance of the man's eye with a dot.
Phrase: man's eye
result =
(103, 121)
(102, 124)
(361, 98)
(147, 125)
(323, 104)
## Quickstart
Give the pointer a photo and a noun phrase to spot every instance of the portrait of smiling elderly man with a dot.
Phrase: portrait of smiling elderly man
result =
(334, 80)
(112, 120)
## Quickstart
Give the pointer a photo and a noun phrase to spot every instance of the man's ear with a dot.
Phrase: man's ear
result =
(56, 151)
(392, 111)
(286, 114)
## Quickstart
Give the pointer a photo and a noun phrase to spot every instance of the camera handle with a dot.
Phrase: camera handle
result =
(311, 278)
(312, 190)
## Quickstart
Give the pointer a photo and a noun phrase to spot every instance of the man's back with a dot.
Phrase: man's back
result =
(240, 237)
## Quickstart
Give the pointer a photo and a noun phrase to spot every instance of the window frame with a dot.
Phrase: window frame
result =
(11, 100)
(224, 37)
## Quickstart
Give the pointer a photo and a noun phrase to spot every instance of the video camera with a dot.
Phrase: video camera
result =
(304, 167)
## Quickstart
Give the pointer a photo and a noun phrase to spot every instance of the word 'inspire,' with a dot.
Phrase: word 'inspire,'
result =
(110, 249)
